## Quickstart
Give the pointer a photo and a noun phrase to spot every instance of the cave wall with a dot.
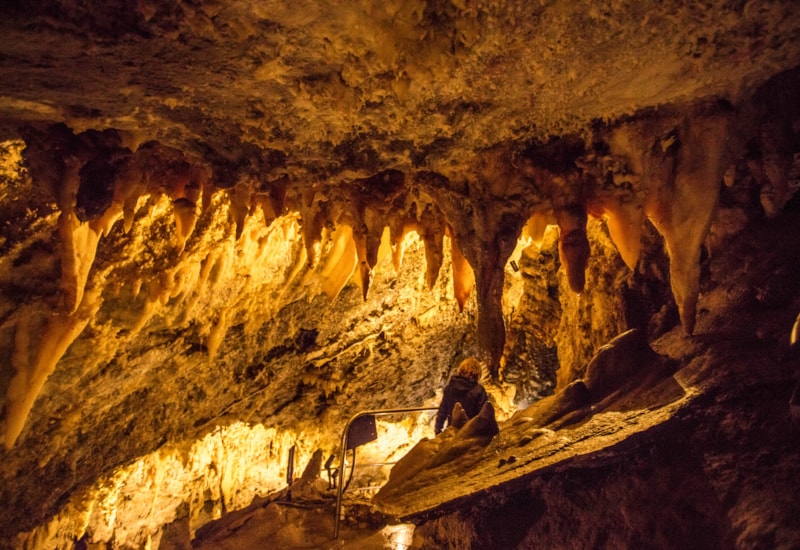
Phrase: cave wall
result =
(183, 345)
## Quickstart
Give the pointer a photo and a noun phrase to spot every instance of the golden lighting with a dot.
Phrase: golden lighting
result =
(11, 163)
(398, 537)
(221, 472)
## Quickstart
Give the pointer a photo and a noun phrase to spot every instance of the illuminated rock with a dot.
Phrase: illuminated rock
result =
(683, 199)
(573, 246)
(623, 359)
(463, 275)
(256, 153)
(340, 261)
(536, 225)
(624, 212)
(458, 442)
(34, 361)
(185, 219)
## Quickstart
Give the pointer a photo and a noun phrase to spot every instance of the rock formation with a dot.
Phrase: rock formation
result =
(233, 222)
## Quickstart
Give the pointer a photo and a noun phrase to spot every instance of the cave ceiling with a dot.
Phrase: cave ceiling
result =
(474, 119)
(335, 91)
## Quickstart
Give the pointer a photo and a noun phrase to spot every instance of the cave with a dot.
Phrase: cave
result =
(230, 227)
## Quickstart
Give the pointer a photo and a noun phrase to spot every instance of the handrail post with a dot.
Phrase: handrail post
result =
(340, 485)
(290, 472)
(343, 457)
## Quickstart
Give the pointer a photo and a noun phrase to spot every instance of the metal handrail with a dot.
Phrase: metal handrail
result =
(340, 489)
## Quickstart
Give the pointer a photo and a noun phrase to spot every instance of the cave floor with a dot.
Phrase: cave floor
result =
(302, 524)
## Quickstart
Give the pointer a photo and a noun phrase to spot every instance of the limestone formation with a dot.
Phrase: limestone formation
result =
(227, 218)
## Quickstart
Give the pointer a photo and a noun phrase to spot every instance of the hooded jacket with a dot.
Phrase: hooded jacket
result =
(460, 389)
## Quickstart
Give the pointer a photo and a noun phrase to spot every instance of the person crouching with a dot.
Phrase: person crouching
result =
(464, 388)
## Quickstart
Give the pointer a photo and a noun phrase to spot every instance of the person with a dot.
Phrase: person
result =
(463, 387)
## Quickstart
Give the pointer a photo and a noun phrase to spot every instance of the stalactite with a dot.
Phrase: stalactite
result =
(553, 167)
(463, 275)
(624, 217)
(363, 270)
(486, 233)
(145, 314)
(217, 334)
(573, 245)
(80, 245)
(681, 162)
(374, 220)
(378, 196)
(240, 206)
(385, 248)
(206, 265)
(536, 225)
(399, 226)
(432, 228)
(683, 207)
(185, 219)
(30, 375)
(340, 262)
(129, 190)
(208, 192)
(263, 201)
(221, 265)
(313, 218)
(299, 266)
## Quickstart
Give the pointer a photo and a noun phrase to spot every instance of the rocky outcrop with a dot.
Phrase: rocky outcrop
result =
(461, 441)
